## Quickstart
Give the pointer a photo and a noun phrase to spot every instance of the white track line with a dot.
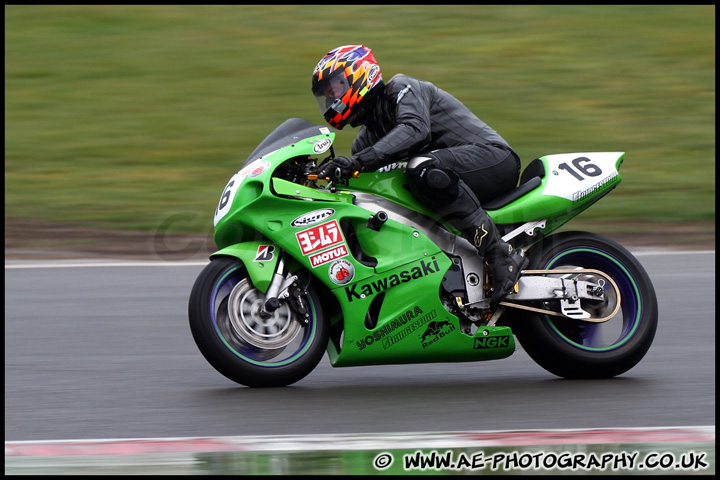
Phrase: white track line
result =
(152, 263)
(96, 263)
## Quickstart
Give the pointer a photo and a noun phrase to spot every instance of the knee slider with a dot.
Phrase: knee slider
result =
(427, 174)
(437, 179)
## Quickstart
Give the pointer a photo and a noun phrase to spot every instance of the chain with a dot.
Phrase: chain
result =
(573, 272)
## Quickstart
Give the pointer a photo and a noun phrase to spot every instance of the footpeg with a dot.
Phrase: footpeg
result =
(571, 308)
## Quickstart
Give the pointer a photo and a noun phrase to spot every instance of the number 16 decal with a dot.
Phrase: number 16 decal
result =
(581, 164)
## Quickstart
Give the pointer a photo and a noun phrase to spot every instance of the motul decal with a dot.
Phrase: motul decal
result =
(265, 253)
(327, 256)
(319, 237)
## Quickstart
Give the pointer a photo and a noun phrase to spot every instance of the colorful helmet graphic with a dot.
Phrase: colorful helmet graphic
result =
(341, 83)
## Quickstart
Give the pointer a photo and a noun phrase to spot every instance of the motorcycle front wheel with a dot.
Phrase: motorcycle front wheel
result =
(247, 348)
(572, 348)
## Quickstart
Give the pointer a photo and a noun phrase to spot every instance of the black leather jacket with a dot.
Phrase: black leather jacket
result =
(412, 116)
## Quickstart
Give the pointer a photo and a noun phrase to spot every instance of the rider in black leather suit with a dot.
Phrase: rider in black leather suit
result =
(455, 160)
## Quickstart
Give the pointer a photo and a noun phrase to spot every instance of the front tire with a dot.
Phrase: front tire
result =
(574, 349)
(243, 346)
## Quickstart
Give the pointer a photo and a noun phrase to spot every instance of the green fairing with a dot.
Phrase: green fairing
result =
(538, 205)
(260, 272)
(390, 308)
(413, 327)
(389, 183)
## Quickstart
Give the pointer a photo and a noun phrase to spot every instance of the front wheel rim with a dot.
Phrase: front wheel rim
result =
(278, 341)
(272, 331)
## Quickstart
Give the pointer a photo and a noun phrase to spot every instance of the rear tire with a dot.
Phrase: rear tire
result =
(575, 349)
(241, 345)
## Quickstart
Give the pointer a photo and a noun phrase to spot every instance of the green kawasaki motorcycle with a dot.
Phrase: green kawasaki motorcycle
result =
(363, 271)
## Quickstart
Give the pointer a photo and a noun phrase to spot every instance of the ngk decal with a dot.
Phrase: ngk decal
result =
(319, 237)
(321, 258)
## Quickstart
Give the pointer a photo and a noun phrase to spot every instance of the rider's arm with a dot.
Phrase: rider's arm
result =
(412, 130)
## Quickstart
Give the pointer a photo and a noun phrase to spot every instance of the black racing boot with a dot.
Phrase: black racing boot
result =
(505, 263)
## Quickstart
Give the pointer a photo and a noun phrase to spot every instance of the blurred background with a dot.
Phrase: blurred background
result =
(127, 117)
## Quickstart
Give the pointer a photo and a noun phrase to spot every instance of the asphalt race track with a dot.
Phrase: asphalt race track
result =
(103, 350)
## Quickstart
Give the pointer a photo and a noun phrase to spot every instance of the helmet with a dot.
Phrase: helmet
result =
(341, 83)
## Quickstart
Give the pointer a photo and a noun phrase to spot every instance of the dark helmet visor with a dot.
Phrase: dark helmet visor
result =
(328, 93)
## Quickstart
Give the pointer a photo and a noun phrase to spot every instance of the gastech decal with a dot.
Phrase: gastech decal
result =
(341, 272)
(387, 333)
(356, 290)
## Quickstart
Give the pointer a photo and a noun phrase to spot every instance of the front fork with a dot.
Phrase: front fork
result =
(284, 286)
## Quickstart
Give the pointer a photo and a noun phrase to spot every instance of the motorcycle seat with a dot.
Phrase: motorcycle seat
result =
(513, 195)
(530, 179)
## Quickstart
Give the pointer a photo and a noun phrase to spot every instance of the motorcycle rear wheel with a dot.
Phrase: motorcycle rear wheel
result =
(574, 349)
(239, 343)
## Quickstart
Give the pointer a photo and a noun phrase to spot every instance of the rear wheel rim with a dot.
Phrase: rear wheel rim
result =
(617, 331)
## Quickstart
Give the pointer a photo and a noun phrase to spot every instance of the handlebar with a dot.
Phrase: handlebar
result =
(355, 174)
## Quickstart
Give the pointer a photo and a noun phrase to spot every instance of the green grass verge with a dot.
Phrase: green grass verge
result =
(122, 116)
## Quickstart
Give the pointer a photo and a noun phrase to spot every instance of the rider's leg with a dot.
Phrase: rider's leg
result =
(436, 185)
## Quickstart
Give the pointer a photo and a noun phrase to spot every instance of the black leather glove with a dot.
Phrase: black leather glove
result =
(340, 168)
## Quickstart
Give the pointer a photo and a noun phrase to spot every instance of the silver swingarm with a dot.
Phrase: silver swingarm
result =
(569, 290)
